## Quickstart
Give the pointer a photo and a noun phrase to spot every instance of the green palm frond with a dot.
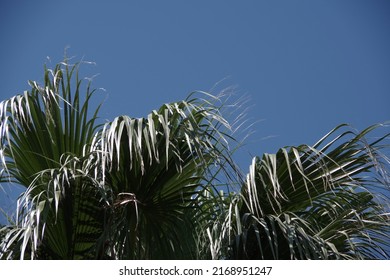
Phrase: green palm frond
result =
(316, 202)
(38, 127)
(216, 220)
(154, 166)
(43, 136)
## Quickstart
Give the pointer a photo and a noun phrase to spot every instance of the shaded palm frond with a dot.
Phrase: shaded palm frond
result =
(216, 221)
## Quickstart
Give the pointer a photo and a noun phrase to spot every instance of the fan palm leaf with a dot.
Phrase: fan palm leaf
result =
(154, 167)
(316, 202)
(43, 136)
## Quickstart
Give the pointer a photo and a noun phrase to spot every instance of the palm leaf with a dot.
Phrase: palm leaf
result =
(154, 166)
(316, 202)
(43, 135)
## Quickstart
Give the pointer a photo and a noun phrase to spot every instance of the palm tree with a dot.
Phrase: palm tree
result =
(166, 186)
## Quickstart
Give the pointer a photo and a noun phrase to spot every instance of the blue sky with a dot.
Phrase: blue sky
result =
(306, 66)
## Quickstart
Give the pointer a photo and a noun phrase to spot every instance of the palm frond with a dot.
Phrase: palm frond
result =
(318, 201)
(43, 133)
(154, 166)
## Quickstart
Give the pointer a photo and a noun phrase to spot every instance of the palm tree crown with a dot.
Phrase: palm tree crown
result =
(165, 186)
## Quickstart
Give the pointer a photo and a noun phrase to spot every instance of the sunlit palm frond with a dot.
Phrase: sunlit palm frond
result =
(41, 125)
(316, 202)
(154, 166)
(43, 132)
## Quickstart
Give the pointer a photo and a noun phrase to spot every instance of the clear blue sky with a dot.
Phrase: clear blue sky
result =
(307, 66)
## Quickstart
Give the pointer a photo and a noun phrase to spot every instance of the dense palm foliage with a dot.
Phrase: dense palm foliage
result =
(166, 186)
